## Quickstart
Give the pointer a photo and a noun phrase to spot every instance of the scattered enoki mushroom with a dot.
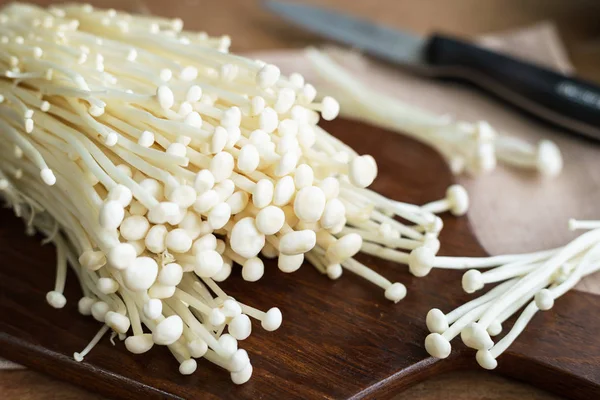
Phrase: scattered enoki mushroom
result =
(157, 162)
(532, 281)
(529, 281)
(468, 147)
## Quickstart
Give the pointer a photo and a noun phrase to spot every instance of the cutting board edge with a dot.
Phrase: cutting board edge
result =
(20, 351)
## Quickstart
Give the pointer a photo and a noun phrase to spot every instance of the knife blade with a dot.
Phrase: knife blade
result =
(380, 41)
(566, 102)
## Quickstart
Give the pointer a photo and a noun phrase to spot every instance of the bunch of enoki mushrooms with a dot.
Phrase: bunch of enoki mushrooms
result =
(157, 162)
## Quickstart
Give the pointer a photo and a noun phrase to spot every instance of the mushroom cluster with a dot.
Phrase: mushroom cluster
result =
(471, 147)
(157, 162)
(532, 281)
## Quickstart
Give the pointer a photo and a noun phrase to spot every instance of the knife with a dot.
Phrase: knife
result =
(564, 101)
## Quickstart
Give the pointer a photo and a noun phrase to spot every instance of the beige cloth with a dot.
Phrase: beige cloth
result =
(512, 211)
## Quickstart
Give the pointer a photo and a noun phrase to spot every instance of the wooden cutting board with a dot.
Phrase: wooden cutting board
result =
(339, 339)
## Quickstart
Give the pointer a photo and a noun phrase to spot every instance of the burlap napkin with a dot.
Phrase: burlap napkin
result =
(512, 211)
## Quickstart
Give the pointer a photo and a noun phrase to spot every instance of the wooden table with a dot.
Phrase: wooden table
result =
(253, 29)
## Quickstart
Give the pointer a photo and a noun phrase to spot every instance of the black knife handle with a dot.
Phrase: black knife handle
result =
(569, 102)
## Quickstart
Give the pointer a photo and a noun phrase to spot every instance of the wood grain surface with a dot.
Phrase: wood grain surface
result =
(253, 29)
(464, 385)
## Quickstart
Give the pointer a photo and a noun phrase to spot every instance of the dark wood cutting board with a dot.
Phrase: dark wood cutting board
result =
(339, 339)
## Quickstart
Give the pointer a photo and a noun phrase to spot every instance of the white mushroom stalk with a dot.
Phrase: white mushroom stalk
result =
(157, 163)
(532, 281)
(468, 147)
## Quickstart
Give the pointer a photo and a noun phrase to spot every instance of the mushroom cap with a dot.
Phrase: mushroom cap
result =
(197, 348)
(437, 345)
(153, 309)
(223, 273)
(459, 200)
(344, 248)
(334, 271)
(242, 376)
(485, 359)
(544, 300)
(121, 256)
(208, 263)
(99, 310)
(472, 281)
(139, 344)
(272, 319)
(297, 242)
(267, 76)
(495, 328)
(141, 274)
(168, 331)
(231, 308)
(395, 292)
(84, 305)
(118, 322)
(420, 261)
(240, 327)
(476, 337)
(362, 171)
(549, 159)
(239, 360)
(56, 299)
(253, 269)
(228, 343)
(245, 238)
(289, 263)
(188, 367)
(216, 317)
(432, 242)
(331, 108)
(436, 321)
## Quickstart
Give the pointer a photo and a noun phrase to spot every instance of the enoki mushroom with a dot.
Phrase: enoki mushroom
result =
(532, 281)
(473, 147)
(157, 162)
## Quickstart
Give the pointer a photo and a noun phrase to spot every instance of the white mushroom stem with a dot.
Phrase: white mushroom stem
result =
(133, 313)
(203, 292)
(575, 224)
(79, 356)
(385, 253)
(403, 229)
(193, 302)
(215, 288)
(585, 267)
(393, 291)
(270, 320)
(474, 280)
(541, 274)
(515, 306)
(487, 262)
(507, 271)
(456, 201)
(409, 212)
(56, 298)
(198, 328)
